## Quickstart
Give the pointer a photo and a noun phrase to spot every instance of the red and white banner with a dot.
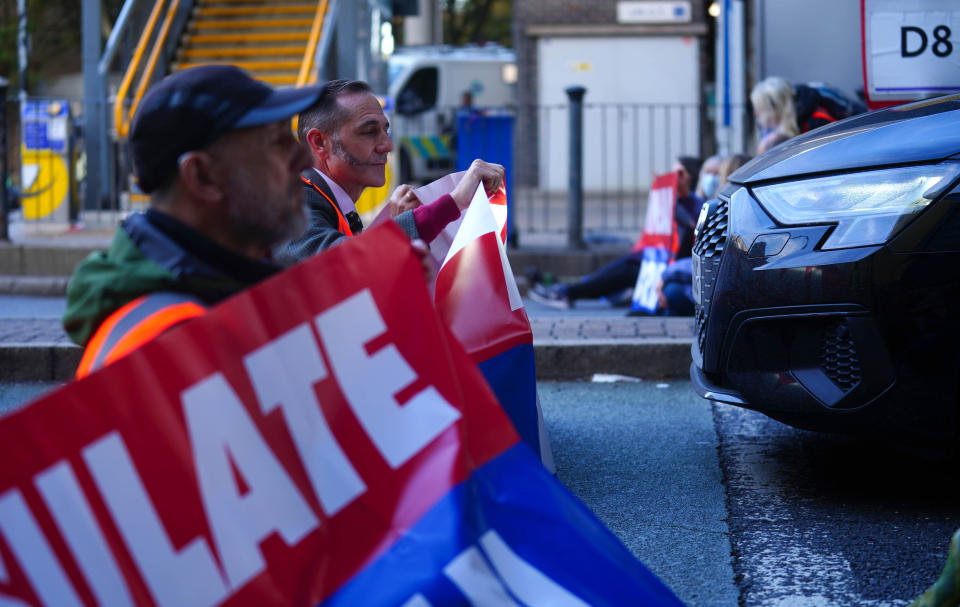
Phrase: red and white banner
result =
(477, 296)
(658, 241)
(258, 455)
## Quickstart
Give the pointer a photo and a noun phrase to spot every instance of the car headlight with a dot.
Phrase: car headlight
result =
(867, 207)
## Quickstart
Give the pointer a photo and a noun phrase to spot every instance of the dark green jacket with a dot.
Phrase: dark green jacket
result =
(153, 252)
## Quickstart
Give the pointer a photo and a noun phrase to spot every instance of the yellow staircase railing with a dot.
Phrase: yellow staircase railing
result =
(274, 40)
(122, 113)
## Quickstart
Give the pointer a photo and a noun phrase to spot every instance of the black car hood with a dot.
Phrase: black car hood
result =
(924, 131)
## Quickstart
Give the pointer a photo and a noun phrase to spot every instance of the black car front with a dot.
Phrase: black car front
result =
(827, 274)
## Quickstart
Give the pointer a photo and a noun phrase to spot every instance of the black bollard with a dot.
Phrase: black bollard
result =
(575, 188)
(4, 201)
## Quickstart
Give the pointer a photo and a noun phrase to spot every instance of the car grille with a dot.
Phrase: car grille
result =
(838, 356)
(709, 248)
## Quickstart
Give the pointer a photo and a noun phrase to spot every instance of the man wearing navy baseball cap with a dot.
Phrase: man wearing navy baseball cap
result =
(214, 150)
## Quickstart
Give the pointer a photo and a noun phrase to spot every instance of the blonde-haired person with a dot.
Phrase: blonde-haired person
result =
(774, 109)
(728, 165)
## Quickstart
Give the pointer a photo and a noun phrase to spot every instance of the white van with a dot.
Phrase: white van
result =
(427, 86)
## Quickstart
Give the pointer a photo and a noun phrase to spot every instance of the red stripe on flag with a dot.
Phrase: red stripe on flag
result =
(500, 198)
(472, 299)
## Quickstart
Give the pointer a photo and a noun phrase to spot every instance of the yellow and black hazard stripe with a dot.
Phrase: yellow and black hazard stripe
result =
(430, 147)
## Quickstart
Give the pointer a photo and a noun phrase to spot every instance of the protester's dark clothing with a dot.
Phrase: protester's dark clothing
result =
(322, 233)
(819, 105)
(621, 273)
(610, 279)
(678, 287)
(685, 213)
(154, 252)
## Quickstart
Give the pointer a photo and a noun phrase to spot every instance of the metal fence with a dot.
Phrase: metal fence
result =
(624, 145)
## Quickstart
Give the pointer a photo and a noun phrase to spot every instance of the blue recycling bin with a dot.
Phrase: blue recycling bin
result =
(489, 137)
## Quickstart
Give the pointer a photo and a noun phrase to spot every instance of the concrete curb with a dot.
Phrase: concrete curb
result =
(646, 359)
(40, 286)
(42, 362)
(38, 362)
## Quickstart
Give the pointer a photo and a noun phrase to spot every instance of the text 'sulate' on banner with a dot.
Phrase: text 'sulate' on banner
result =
(307, 442)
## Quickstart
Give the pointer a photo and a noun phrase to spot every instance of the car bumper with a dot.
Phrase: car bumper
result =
(805, 335)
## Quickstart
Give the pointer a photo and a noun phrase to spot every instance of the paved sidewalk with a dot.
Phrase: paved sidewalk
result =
(569, 344)
(566, 347)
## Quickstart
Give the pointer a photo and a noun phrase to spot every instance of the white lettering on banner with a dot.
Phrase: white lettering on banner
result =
(60, 490)
(470, 573)
(187, 577)
(226, 443)
(659, 219)
(221, 431)
(6, 601)
(645, 291)
(284, 373)
(510, 579)
(371, 382)
(28, 544)
(526, 582)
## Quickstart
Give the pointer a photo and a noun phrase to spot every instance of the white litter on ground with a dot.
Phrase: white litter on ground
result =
(609, 378)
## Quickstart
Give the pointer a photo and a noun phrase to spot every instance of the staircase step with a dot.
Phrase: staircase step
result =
(229, 24)
(206, 3)
(225, 52)
(232, 11)
(251, 66)
(273, 77)
(210, 38)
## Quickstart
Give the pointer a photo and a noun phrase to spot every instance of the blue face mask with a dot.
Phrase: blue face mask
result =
(709, 183)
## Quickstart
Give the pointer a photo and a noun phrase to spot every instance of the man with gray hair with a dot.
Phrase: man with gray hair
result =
(348, 137)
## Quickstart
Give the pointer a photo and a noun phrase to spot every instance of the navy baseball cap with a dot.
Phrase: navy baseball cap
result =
(188, 110)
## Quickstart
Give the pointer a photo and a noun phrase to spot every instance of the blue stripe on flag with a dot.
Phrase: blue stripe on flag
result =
(513, 378)
(514, 498)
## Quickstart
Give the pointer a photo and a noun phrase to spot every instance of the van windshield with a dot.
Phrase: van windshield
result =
(393, 70)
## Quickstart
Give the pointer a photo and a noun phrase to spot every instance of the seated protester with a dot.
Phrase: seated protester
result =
(709, 177)
(774, 110)
(620, 274)
(819, 104)
(728, 166)
(348, 137)
(213, 149)
(675, 291)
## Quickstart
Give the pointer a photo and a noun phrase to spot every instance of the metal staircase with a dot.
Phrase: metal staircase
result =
(280, 42)
(276, 41)
(269, 38)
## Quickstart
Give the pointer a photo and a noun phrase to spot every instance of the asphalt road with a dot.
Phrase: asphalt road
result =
(643, 457)
(830, 520)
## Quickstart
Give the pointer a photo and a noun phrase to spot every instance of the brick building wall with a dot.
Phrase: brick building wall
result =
(534, 19)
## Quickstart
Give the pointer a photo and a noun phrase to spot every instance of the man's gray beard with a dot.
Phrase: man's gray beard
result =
(264, 234)
(341, 152)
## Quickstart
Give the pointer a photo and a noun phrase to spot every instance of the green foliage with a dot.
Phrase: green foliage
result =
(477, 21)
(55, 35)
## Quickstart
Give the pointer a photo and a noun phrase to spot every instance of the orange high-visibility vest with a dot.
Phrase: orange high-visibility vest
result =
(135, 324)
(343, 225)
